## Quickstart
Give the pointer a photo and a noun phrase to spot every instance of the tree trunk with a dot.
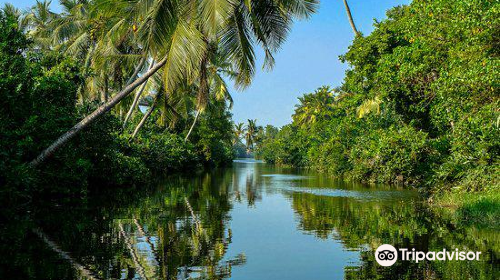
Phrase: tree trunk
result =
(144, 118)
(105, 95)
(192, 126)
(136, 100)
(94, 115)
(351, 21)
(65, 255)
(202, 96)
(135, 258)
(137, 70)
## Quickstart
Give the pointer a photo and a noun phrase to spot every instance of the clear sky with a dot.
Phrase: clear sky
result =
(308, 59)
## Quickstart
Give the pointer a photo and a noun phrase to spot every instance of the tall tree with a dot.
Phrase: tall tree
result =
(250, 134)
(351, 21)
(37, 22)
(313, 107)
(170, 32)
(238, 131)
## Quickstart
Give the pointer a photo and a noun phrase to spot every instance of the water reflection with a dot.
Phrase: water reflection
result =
(252, 221)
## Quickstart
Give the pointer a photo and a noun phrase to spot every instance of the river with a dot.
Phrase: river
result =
(249, 221)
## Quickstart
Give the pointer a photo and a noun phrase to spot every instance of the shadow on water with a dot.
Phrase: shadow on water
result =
(251, 221)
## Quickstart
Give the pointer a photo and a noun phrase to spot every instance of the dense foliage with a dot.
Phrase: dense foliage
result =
(419, 104)
(38, 91)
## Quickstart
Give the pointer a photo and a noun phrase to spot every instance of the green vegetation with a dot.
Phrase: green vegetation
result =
(251, 134)
(419, 105)
(118, 92)
(159, 68)
(481, 209)
(403, 224)
(39, 95)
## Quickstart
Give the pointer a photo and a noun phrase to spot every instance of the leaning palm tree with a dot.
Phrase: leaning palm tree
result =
(211, 85)
(172, 107)
(169, 33)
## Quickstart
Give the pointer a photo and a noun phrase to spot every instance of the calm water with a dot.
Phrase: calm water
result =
(251, 221)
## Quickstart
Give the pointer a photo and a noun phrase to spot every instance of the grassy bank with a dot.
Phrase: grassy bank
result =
(479, 208)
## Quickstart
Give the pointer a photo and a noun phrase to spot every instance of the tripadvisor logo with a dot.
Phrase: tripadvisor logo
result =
(387, 255)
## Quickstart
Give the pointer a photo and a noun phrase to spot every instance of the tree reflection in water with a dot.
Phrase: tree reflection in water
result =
(180, 229)
(364, 225)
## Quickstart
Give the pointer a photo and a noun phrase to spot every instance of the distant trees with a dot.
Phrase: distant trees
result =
(251, 133)
(238, 131)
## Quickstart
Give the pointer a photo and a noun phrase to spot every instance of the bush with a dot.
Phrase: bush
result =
(167, 152)
(392, 155)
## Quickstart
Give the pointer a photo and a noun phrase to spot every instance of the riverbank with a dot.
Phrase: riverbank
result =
(418, 107)
(481, 209)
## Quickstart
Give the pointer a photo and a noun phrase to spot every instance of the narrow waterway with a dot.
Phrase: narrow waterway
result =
(250, 221)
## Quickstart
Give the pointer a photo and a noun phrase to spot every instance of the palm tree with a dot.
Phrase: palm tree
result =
(11, 11)
(169, 32)
(351, 21)
(313, 107)
(37, 22)
(259, 135)
(137, 96)
(211, 85)
(238, 131)
(250, 134)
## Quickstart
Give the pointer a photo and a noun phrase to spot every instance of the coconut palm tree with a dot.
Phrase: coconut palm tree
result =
(238, 131)
(250, 134)
(170, 33)
(351, 21)
(313, 107)
(11, 11)
(37, 22)
(104, 41)
(211, 85)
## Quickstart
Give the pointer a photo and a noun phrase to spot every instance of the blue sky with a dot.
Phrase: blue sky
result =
(308, 59)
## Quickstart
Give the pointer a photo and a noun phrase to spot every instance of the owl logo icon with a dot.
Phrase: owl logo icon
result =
(386, 255)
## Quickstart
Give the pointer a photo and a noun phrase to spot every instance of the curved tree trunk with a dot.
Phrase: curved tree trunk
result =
(192, 126)
(134, 104)
(136, 100)
(94, 115)
(351, 21)
(144, 118)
